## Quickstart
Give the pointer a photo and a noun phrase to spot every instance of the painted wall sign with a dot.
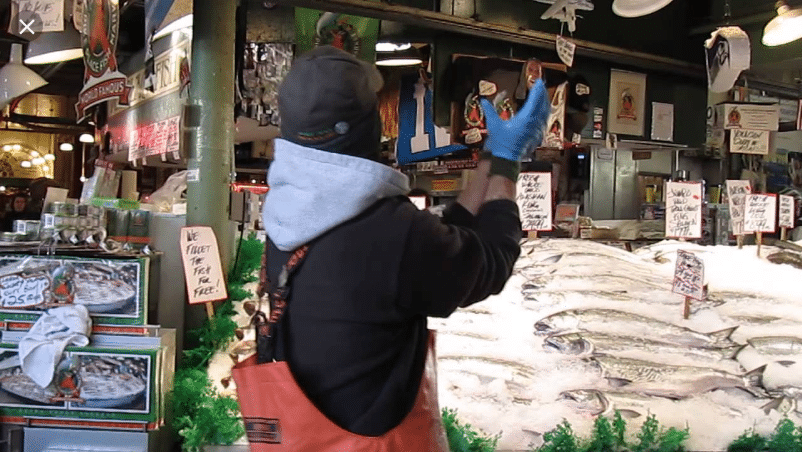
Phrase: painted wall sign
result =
(102, 78)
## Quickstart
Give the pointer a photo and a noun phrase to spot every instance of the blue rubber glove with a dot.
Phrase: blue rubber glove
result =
(509, 139)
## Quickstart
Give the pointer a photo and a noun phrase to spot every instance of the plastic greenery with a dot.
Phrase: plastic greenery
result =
(787, 437)
(608, 437)
(463, 438)
(202, 415)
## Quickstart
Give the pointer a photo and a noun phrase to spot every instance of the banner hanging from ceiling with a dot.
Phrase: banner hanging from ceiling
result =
(102, 78)
(353, 34)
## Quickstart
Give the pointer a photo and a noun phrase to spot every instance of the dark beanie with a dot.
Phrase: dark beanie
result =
(328, 101)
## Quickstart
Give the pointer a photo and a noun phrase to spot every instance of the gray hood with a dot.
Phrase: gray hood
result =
(313, 191)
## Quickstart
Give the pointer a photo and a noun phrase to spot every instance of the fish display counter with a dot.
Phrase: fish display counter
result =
(583, 330)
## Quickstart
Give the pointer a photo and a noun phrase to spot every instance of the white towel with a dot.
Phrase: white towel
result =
(40, 350)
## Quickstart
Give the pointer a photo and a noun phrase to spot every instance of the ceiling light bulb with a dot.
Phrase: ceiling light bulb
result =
(50, 157)
(2, 188)
(82, 178)
(38, 161)
(86, 138)
(16, 147)
(65, 147)
(391, 46)
(34, 154)
(7, 147)
(784, 28)
(46, 168)
(25, 164)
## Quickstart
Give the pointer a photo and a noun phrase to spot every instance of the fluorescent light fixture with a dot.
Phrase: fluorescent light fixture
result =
(784, 28)
(25, 164)
(86, 138)
(55, 47)
(65, 147)
(50, 157)
(178, 24)
(34, 154)
(16, 79)
(408, 57)
(391, 46)
(38, 161)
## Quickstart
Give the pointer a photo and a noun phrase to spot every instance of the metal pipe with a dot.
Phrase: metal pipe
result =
(505, 33)
(211, 125)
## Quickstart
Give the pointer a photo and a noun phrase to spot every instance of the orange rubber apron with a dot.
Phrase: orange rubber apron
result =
(279, 417)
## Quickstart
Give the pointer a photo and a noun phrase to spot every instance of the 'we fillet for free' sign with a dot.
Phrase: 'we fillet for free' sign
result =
(202, 268)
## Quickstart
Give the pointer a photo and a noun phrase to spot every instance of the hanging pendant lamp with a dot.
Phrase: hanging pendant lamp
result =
(57, 46)
(784, 28)
(638, 8)
(16, 79)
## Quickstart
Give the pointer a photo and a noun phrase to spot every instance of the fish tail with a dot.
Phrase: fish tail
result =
(732, 352)
(775, 404)
(754, 378)
(723, 336)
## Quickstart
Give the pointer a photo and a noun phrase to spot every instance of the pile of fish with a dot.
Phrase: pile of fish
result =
(583, 329)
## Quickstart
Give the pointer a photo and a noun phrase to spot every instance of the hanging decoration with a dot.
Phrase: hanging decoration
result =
(565, 11)
(354, 34)
(102, 79)
(728, 52)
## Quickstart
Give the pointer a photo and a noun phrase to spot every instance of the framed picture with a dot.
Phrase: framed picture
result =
(627, 103)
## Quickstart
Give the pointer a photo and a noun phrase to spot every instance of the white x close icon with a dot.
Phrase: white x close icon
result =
(27, 27)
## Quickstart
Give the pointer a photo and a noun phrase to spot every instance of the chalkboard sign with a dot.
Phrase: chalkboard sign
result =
(534, 201)
(786, 211)
(202, 268)
(736, 196)
(689, 276)
(684, 210)
(760, 213)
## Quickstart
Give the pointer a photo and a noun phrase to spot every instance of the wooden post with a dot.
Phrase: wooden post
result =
(740, 240)
(209, 310)
(532, 235)
(783, 233)
(687, 312)
(759, 242)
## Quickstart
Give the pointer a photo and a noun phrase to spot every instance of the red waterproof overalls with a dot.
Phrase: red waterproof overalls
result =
(279, 417)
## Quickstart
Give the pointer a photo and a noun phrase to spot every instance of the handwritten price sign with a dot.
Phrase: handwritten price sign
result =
(786, 211)
(736, 196)
(534, 201)
(21, 292)
(202, 268)
(744, 141)
(689, 276)
(684, 210)
(760, 213)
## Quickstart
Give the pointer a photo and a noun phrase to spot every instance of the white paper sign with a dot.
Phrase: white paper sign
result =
(662, 121)
(736, 197)
(50, 11)
(565, 50)
(684, 210)
(786, 211)
(23, 291)
(760, 213)
(534, 201)
(202, 268)
(689, 275)
(746, 141)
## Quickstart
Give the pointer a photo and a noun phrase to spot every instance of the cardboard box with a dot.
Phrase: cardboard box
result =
(114, 290)
(747, 116)
(119, 379)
